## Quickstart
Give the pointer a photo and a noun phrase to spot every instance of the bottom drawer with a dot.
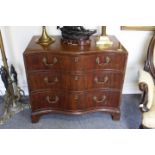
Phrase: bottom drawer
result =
(71, 101)
(57, 101)
(45, 100)
(103, 98)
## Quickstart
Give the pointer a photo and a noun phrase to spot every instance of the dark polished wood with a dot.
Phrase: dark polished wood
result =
(144, 97)
(116, 116)
(71, 81)
(149, 67)
(74, 79)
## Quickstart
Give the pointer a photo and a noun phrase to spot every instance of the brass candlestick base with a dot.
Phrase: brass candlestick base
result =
(104, 41)
(45, 40)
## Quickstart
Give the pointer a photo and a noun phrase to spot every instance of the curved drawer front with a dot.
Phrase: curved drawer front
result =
(77, 62)
(57, 101)
(76, 101)
(74, 82)
(103, 98)
(42, 61)
(56, 81)
(105, 79)
(92, 80)
(110, 61)
(50, 61)
(46, 100)
(44, 80)
(69, 101)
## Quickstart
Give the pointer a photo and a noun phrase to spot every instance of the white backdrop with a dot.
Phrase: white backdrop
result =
(16, 39)
(70, 12)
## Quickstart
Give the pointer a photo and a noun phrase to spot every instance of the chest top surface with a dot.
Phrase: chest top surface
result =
(58, 47)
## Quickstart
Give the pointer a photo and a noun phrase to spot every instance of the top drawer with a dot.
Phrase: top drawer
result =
(111, 60)
(47, 61)
(41, 61)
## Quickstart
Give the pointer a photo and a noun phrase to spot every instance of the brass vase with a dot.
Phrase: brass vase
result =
(45, 39)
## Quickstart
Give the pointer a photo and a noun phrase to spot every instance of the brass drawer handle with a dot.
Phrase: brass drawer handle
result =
(76, 59)
(55, 100)
(76, 97)
(55, 60)
(76, 78)
(100, 101)
(46, 80)
(107, 61)
(101, 82)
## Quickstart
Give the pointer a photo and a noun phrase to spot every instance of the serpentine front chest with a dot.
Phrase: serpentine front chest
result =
(74, 79)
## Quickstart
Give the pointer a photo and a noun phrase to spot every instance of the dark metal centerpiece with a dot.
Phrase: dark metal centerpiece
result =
(76, 35)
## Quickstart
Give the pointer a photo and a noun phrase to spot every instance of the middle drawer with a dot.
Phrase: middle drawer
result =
(74, 82)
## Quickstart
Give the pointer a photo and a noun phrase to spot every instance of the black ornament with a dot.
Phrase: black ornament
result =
(76, 35)
(4, 76)
(14, 74)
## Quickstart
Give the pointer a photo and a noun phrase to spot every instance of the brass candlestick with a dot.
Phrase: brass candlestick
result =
(104, 41)
(14, 93)
(45, 39)
(103, 33)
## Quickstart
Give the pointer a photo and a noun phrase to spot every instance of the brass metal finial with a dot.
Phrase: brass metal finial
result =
(45, 39)
(120, 47)
(103, 31)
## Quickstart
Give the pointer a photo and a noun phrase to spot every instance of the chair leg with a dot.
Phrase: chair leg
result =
(141, 126)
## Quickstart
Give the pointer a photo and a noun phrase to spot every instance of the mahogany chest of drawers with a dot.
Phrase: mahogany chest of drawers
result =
(74, 79)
